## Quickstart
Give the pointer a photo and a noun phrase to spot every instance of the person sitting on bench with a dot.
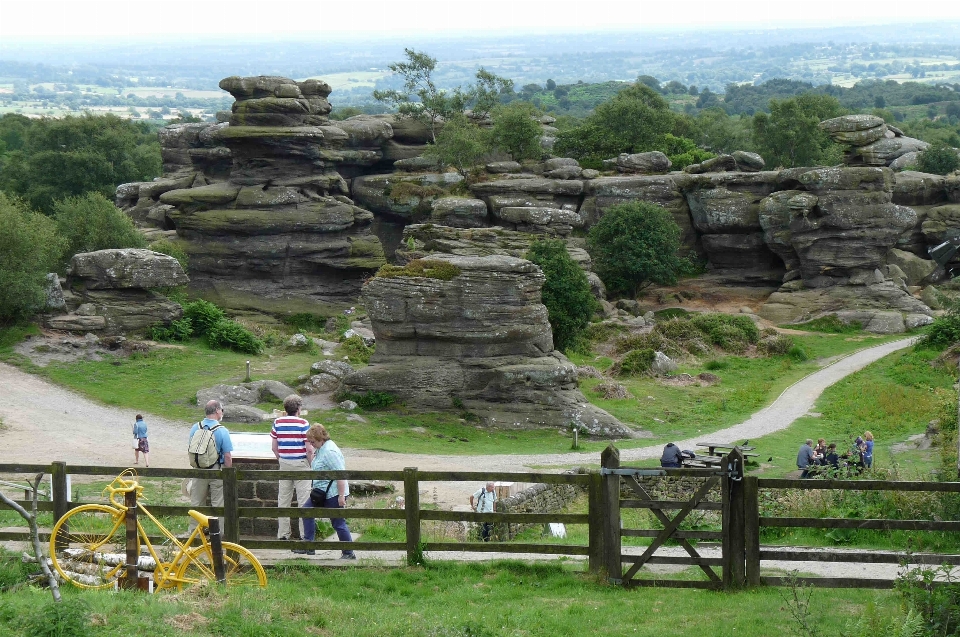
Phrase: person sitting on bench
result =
(672, 456)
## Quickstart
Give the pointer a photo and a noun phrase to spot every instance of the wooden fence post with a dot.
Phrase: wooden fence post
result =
(595, 526)
(733, 522)
(231, 504)
(216, 550)
(610, 495)
(751, 530)
(132, 578)
(411, 504)
(60, 497)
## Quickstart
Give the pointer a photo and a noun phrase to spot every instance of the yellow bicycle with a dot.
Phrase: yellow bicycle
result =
(88, 547)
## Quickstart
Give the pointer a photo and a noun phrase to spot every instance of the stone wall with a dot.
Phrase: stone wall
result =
(260, 493)
(538, 498)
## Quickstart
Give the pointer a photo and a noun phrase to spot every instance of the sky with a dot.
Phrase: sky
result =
(289, 19)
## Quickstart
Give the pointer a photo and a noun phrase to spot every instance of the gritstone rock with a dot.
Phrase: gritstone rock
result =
(482, 337)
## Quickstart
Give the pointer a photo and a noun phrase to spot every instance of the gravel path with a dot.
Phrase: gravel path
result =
(43, 422)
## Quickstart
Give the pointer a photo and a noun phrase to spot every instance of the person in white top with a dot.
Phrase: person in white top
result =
(482, 502)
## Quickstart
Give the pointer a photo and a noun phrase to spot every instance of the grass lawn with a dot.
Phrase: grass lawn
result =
(493, 599)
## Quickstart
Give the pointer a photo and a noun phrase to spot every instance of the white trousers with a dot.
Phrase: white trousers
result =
(285, 494)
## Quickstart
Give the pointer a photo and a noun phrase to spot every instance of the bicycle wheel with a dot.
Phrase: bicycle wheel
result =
(241, 567)
(88, 545)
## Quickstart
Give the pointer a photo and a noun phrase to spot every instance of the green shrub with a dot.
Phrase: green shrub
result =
(68, 618)
(649, 340)
(716, 363)
(777, 345)
(340, 325)
(829, 323)
(516, 132)
(601, 332)
(203, 316)
(180, 330)
(91, 222)
(371, 400)
(29, 248)
(939, 159)
(729, 333)
(944, 331)
(427, 268)
(307, 322)
(355, 350)
(566, 292)
(227, 334)
(798, 353)
(636, 362)
(173, 249)
(634, 245)
(679, 329)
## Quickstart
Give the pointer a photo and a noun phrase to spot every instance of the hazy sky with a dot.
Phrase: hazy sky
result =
(57, 19)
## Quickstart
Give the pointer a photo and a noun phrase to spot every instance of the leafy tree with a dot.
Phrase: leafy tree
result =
(649, 80)
(683, 152)
(721, 133)
(461, 144)
(29, 249)
(566, 292)
(634, 245)
(90, 222)
(790, 136)
(66, 157)
(551, 85)
(939, 159)
(433, 105)
(516, 132)
(634, 121)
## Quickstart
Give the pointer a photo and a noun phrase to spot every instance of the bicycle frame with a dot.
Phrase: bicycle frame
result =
(164, 574)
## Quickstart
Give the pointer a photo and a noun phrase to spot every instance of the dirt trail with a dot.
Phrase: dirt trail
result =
(43, 422)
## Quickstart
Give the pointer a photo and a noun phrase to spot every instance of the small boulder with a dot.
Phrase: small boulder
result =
(298, 340)
(643, 163)
(243, 414)
(913, 321)
(748, 162)
(500, 167)
(54, 295)
(347, 405)
(662, 365)
(337, 369)
(320, 383)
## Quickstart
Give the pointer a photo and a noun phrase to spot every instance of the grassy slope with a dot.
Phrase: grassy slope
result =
(445, 600)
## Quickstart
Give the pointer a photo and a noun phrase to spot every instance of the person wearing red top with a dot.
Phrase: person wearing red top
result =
(290, 446)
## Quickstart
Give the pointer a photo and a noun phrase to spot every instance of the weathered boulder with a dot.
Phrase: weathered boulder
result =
(855, 130)
(883, 151)
(432, 239)
(641, 163)
(337, 369)
(554, 193)
(915, 269)
(499, 167)
(847, 234)
(748, 162)
(796, 303)
(126, 268)
(720, 163)
(459, 212)
(911, 188)
(480, 339)
(540, 220)
(404, 196)
(54, 295)
(277, 101)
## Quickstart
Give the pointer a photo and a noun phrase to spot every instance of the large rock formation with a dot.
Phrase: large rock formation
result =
(110, 292)
(478, 341)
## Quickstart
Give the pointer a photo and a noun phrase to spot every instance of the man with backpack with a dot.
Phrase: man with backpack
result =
(482, 502)
(210, 447)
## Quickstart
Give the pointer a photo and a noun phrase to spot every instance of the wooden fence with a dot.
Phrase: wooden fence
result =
(724, 489)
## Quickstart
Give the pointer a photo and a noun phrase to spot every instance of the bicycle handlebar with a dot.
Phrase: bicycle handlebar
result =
(125, 486)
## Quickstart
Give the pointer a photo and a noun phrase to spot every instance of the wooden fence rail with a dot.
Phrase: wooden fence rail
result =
(609, 491)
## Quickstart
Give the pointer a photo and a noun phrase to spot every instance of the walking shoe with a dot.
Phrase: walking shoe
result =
(284, 537)
(348, 556)
(303, 551)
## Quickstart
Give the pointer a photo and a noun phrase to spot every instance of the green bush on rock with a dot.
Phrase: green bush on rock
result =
(91, 222)
(566, 292)
(227, 334)
(635, 362)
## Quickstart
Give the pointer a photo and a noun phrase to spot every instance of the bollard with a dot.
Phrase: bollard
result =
(248, 372)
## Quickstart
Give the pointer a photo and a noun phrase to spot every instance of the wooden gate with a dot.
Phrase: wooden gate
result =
(717, 489)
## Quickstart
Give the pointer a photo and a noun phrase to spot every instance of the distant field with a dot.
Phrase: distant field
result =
(166, 91)
(352, 79)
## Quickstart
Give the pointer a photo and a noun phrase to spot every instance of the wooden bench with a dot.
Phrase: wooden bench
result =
(718, 449)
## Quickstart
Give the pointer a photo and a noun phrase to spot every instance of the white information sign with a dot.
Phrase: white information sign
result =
(252, 446)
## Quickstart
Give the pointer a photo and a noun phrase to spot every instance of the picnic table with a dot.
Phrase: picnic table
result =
(720, 449)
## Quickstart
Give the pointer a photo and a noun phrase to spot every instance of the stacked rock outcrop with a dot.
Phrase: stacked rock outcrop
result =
(110, 292)
(477, 339)
(869, 140)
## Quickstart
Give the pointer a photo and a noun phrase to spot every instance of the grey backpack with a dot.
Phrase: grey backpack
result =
(203, 448)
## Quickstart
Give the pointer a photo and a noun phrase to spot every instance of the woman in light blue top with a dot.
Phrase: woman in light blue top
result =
(140, 436)
(867, 449)
(329, 494)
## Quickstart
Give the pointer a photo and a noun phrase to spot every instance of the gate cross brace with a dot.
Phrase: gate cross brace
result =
(669, 526)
